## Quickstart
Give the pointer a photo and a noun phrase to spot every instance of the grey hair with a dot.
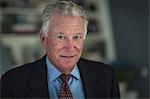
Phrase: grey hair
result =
(63, 7)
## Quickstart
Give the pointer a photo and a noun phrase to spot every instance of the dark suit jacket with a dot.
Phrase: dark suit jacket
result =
(30, 80)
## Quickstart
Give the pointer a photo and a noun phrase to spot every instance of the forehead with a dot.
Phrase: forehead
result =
(66, 20)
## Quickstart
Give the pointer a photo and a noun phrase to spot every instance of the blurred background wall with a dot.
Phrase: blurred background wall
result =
(130, 25)
(117, 35)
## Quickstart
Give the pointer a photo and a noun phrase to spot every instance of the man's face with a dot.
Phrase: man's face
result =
(64, 43)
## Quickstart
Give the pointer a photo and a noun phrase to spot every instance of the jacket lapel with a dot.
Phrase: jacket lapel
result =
(91, 81)
(38, 80)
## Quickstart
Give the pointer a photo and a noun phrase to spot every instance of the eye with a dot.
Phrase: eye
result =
(77, 37)
(61, 37)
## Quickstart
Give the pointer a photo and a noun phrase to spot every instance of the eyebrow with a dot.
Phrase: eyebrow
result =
(59, 33)
(78, 34)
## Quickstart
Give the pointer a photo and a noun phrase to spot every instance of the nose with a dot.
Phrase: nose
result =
(69, 44)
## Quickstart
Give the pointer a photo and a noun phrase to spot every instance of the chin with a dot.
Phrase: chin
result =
(66, 68)
(70, 64)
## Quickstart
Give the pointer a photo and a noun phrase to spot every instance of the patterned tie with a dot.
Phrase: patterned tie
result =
(65, 92)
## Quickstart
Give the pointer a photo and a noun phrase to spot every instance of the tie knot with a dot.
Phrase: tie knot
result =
(64, 77)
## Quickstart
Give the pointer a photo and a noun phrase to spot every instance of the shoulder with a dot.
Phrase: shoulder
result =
(20, 72)
(94, 67)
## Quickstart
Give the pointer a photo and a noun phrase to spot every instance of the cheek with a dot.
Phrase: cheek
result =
(80, 46)
(53, 46)
(49, 46)
(57, 46)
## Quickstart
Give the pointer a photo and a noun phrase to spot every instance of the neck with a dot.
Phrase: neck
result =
(66, 70)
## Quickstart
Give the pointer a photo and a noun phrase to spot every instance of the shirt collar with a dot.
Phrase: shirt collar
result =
(54, 73)
(75, 72)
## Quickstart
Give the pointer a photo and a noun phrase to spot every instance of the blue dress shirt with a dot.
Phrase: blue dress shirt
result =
(75, 83)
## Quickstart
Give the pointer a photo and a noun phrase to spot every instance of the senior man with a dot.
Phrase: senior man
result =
(61, 73)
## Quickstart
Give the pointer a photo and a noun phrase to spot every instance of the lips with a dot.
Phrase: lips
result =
(66, 56)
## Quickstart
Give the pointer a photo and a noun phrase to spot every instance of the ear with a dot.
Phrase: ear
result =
(42, 39)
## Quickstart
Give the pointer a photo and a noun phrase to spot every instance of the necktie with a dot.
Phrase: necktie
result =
(65, 92)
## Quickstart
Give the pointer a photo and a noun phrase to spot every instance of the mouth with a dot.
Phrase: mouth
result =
(65, 56)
